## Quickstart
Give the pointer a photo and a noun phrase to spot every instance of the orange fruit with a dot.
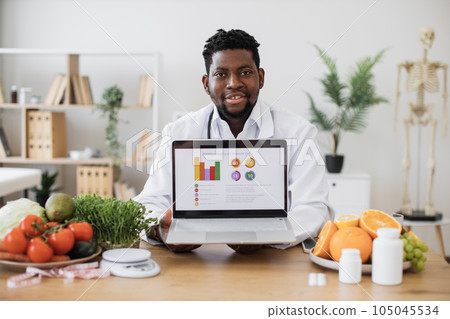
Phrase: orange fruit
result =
(322, 248)
(414, 235)
(348, 220)
(372, 219)
(351, 237)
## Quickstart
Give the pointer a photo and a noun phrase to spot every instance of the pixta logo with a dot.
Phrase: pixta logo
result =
(142, 147)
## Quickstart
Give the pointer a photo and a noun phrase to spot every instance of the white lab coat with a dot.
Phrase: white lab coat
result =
(308, 205)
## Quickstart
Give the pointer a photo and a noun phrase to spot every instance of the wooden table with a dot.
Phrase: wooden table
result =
(215, 272)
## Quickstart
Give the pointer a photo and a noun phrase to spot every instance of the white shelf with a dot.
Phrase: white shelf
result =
(75, 52)
(141, 63)
(63, 107)
(56, 161)
(126, 54)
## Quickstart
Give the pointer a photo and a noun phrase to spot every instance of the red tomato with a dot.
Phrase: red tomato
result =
(38, 251)
(30, 224)
(82, 231)
(50, 224)
(61, 242)
(15, 241)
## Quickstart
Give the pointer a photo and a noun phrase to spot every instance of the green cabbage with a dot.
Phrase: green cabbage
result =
(14, 211)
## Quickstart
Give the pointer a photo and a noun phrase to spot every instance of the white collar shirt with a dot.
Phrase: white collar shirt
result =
(258, 125)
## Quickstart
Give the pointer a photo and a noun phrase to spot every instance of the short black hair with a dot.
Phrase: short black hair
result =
(228, 40)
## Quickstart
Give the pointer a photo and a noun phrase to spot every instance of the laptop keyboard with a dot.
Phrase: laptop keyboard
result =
(231, 225)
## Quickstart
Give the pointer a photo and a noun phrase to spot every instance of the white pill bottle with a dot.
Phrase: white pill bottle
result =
(387, 257)
(350, 266)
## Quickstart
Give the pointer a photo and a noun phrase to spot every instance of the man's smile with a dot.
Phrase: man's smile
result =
(235, 98)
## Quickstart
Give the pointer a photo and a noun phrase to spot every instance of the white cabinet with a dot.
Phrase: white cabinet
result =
(349, 193)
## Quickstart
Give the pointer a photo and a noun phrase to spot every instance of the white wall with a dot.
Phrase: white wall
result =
(286, 29)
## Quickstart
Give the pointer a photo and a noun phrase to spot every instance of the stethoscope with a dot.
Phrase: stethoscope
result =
(209, 124)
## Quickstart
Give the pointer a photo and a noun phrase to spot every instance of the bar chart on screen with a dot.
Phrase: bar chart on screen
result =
(206, 171)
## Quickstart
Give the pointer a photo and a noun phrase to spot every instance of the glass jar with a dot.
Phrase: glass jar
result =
(350, 266)
(387, 257)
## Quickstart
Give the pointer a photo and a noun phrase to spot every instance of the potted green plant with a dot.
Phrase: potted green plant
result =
(110, 105)
(43, 192)
(352, 101)
(117, 224)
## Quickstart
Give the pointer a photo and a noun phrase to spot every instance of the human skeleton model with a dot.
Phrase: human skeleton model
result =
(421, 77)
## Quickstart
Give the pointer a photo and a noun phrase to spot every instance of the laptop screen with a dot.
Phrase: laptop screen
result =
(229, 178)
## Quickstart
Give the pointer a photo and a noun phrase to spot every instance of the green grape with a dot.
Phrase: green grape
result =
(417, 252)
(420, 266)
(410, 255)
(413, 251)
(420, 243)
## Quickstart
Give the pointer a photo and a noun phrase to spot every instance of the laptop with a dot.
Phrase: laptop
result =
(229, 191)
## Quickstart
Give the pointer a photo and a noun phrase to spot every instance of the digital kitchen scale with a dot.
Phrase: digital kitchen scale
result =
(129, 262)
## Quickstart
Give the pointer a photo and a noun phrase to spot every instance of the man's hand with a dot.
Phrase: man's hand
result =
(164, 226)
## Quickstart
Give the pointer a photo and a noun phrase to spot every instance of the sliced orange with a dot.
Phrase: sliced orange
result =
(372, 219)
(351, 237)
(348, 220)
(322, 248)
(414, 235)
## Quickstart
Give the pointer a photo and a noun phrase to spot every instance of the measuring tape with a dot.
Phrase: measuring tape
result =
(69, 273)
